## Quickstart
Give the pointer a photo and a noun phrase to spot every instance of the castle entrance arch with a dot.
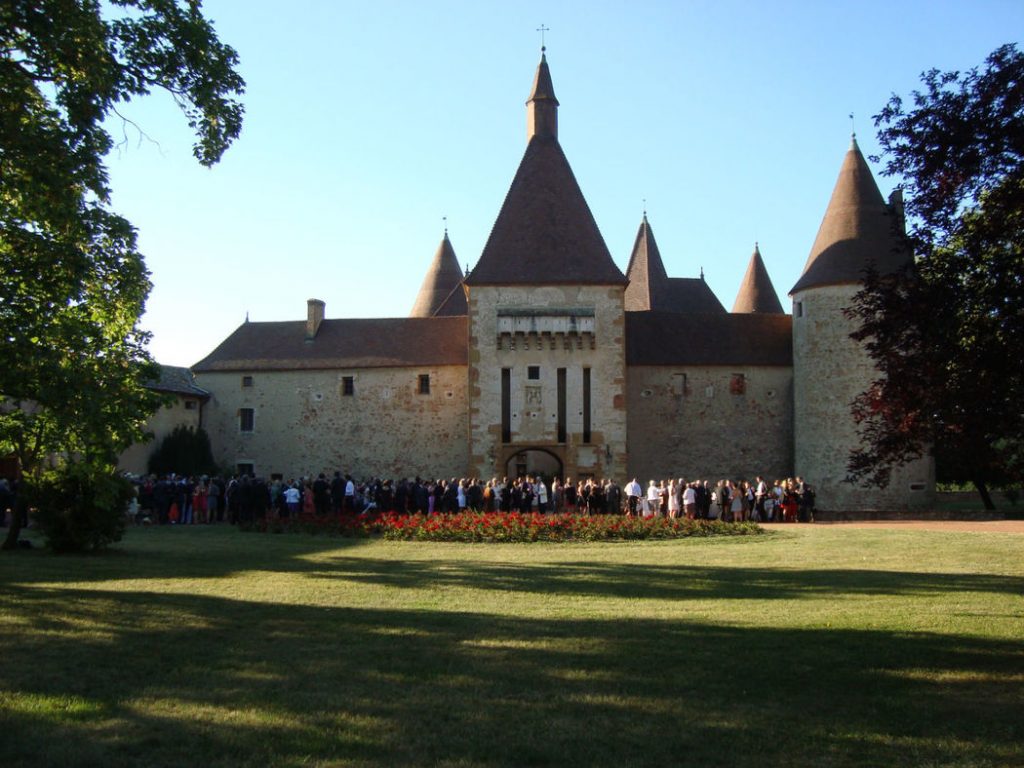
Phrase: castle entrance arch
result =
(534, 461)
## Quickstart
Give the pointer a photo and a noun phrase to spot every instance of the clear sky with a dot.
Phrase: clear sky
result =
(367, 123)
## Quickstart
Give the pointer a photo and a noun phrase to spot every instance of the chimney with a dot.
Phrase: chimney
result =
(314, 316)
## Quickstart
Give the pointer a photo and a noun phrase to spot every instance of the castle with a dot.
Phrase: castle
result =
(545, 357)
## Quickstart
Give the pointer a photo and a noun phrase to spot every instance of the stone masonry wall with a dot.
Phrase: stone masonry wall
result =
(710, 422)
(534, 403)
(830, 370)
(305, 425)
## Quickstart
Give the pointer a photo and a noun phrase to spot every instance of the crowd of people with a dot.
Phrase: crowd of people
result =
(241, 499)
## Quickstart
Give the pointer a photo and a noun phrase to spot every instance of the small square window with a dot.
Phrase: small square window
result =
(424, 384)
(247, 381)
(533, 372)
(246, 419)
(191, 405)
(348, 386)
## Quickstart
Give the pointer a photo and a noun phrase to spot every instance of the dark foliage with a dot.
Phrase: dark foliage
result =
(948, 335)
(80, 508)
(185, 451)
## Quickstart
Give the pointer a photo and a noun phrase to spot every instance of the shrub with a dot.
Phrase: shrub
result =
(80, 507)
(185, 451)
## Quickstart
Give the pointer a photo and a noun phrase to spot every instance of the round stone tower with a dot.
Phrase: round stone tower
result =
(829, 368)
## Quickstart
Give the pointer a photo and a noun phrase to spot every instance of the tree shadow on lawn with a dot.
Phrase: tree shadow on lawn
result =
(169, 554)
(661, 582)
(94, 677)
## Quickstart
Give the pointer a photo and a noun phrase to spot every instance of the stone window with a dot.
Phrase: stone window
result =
(678, 384)
(246, 419)
(424, 384)
(533, 372)
(738, 384)
(191, 405)
(247, 381)
(246, 468)
(348, 386)
(798, 308)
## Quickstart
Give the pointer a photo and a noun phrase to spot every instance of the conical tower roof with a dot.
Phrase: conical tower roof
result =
(545, 232)
(542, 86)
(646, 272)
(858, 229)
(440, 285)
(757, 294)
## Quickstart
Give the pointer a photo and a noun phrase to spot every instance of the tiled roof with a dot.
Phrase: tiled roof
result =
(443, 276)
(757, 294)
(542, 86)
(545, 233)
(689, 294)
(646, 271)
(671, 338)
(371, 343)
(858, 229)
(178, 380)
(650, 287)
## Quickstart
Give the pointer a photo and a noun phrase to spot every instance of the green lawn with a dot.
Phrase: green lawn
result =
(805, 647)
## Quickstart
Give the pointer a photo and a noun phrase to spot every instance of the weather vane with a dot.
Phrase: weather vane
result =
(853, 128)
(445, 220)
(542, 29)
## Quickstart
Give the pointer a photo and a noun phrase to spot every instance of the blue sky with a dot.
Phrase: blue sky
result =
(367, 123)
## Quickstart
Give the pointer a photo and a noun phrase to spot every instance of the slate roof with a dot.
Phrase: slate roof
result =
(650, 287)
(437, 294)
(178, 380)
(673, 338)
(757, 294)
(366, 343)
(858, 229)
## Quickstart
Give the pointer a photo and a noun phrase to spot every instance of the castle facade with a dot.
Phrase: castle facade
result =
(546, 358)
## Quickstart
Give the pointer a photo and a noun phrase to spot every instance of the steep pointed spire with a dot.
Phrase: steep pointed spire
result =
(858, 229)
(542, 106)
(440, 283)
(545, 233)
(757, 294)
(646, 272)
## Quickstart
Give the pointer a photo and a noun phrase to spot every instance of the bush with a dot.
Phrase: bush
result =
(80, 507)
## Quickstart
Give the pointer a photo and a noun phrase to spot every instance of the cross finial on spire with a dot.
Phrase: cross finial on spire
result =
(645, 207)
(542, 29)
(445, 220)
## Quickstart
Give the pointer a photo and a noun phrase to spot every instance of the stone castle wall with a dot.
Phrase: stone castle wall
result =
(830, 370)
(710, 422)
(534, 402)
(304, 424)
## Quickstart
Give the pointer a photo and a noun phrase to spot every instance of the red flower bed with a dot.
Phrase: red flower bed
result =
(508, 527)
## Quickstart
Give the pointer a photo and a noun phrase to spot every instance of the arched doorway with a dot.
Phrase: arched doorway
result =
(533, 461)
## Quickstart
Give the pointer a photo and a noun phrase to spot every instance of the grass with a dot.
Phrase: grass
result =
(820, 646)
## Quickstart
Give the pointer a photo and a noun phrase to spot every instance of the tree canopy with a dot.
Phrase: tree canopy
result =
(73, 360)
(948, 334)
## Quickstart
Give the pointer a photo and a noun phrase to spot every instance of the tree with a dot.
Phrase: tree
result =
(184, 451)
(948, 333)
(73, 361)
